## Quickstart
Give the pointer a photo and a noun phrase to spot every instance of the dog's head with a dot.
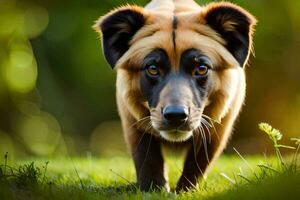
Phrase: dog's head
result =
(176, 68)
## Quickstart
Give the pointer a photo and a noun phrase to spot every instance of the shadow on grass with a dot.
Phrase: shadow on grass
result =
(284, 186)
(73, 192)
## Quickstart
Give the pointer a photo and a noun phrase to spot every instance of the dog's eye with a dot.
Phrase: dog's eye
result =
(201, 70)
(153, 70)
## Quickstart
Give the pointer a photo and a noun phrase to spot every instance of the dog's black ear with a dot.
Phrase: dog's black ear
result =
(235, 25)
(117, 29)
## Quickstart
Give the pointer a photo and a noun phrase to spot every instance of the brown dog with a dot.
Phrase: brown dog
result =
(180, 79)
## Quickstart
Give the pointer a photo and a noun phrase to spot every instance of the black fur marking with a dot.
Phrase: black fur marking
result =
(150, 87)
(174, 25)
(118, 29)
(199, 86)
(238, 39)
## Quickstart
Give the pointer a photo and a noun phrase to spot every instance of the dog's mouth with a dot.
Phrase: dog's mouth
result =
(179, 133)
(176, 135)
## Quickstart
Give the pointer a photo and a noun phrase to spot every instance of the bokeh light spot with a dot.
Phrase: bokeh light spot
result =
(21, 70)
(35, 21)
(107, 139)
(41, 133)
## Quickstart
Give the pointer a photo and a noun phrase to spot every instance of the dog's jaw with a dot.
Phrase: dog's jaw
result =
(176, 135)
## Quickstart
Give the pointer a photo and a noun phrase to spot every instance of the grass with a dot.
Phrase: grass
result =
(113, 178)
(232, 177)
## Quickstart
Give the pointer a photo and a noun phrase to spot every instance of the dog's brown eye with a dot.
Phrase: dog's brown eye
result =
(153, 70)
(201, 70)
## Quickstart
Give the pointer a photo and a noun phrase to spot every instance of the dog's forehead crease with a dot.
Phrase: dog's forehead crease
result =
(177, 34)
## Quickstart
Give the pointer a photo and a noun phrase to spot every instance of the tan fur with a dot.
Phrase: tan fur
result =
(229, 87)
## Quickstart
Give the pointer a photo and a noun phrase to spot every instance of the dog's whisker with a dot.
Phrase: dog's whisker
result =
(203, 136)
(142, 123)
(212, 120)
(213, 126)
(206, 122)
(140, 120)
(196, 150)
(208, 131)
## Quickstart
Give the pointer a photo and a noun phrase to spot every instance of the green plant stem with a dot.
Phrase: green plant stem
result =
(5, 163)
(44, 176)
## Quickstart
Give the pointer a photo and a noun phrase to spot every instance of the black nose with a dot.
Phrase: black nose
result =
(175, 113)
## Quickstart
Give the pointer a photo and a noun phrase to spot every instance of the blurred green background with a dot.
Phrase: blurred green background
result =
(57, 94)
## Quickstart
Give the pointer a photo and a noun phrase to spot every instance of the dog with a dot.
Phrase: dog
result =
(180, 80)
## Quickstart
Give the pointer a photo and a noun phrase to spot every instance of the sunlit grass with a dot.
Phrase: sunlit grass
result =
(232, 177)
(114, 177)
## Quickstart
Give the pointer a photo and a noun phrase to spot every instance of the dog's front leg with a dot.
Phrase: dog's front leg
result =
(199, 157)
(149, 163)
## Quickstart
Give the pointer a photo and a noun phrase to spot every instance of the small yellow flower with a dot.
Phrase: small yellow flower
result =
(273, 133)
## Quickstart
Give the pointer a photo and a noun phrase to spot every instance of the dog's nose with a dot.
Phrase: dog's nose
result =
(175, 113)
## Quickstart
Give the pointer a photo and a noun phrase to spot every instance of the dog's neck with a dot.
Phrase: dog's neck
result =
(173, 6)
